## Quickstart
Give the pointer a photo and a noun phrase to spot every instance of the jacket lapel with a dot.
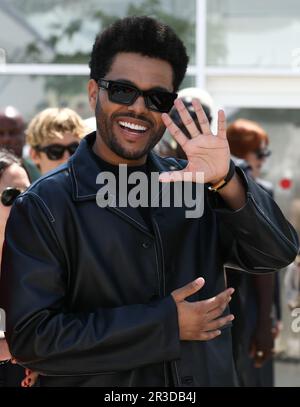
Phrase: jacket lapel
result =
(84, 170)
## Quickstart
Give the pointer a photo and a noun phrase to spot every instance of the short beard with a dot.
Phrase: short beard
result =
(105, 131)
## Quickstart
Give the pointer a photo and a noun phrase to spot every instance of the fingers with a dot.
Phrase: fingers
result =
(201, 116)
(212, 329)
(222, 124)
(189, 289)
(216, 312)
(219, 323)
(259, 356)
(33, 378)
(218, 301)
(186, 118)
(174, 130)
(27, 382)
(30, 379)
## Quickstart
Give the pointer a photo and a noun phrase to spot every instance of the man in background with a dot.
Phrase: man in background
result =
(12, 137)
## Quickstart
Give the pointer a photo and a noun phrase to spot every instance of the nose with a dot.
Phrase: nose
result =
(66, 155)
(138, 106)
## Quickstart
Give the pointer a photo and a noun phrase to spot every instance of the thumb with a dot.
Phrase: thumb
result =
(189, 289)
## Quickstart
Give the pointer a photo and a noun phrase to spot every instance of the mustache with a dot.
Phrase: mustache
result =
(133, 116)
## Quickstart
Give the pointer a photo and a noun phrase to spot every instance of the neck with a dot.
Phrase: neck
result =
(104, 152)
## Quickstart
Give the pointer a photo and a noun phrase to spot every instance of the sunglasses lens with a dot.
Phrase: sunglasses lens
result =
(263, 153)
(55, 152)
(72, 148)
(9, 195)
(156, 100)
(122, 94)
(160, 101)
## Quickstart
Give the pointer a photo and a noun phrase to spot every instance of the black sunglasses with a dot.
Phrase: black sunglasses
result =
(9, 195)
(263, 153)
(56, 151)
(124, 94)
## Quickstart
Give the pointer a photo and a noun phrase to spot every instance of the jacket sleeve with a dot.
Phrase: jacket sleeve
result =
(256, 238)
(44, 336)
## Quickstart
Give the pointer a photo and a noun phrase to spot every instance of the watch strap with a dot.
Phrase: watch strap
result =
(221, 184)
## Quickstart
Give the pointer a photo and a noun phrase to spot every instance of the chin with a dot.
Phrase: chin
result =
(130, 154)
(134, 155)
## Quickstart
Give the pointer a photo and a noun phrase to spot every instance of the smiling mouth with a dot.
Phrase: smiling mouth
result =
(132, 127)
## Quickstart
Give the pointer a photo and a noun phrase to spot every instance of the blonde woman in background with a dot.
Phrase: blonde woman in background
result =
(53, 136)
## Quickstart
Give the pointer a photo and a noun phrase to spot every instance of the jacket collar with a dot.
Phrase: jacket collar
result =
(84, 169)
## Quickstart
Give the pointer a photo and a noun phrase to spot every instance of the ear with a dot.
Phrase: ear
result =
(35, 156)
(93, 90)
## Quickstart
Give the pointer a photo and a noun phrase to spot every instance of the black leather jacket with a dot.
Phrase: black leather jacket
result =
(87, 289)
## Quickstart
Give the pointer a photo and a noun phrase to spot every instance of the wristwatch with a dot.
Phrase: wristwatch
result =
(221, 184)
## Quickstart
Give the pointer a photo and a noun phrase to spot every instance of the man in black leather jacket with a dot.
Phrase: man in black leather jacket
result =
(135, 296)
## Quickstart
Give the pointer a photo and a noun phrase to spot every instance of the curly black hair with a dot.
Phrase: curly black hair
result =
(143, 35)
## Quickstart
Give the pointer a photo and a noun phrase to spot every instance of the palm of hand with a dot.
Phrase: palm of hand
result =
(206, 152)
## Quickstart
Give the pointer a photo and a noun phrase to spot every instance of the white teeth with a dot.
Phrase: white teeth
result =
(133, 126)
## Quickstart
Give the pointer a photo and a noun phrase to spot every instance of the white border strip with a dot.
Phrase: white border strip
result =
(255, 72)
(44, 69)
(83, 70)
(56, 69)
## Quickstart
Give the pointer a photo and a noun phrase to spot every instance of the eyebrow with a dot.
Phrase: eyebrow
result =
(126, 81)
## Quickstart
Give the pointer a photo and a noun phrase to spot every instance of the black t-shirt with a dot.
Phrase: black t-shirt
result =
(145, 211)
